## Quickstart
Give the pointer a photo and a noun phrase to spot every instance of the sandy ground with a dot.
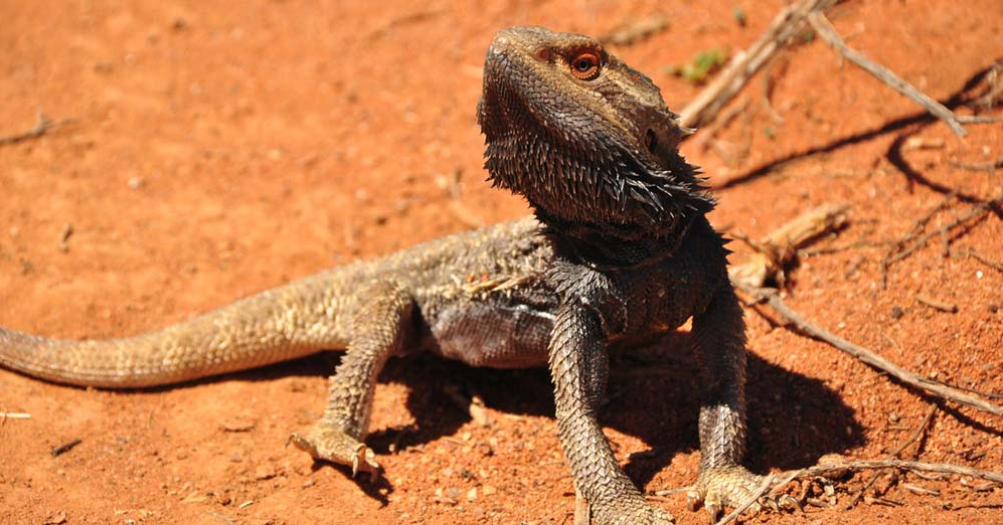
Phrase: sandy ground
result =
(209, 150)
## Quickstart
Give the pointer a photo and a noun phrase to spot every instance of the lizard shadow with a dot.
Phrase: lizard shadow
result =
(652, 395)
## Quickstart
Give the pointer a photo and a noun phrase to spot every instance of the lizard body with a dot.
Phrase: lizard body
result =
(619, 248)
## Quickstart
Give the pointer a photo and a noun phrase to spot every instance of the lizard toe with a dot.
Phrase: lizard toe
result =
(330, 444)
(718, 488)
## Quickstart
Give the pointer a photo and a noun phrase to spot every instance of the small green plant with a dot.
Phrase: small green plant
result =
(739, 15)
(703, 65)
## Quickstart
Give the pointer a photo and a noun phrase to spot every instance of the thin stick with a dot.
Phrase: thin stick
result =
(950, 308)
(4, 416)
(894, 454)
(915, 435)
(990, 395)
(990, 166)
(978, 119)
(920, 490)
(763, 488)
(802, 325)
(901, 464)
(829, 34)
(998, 266)
(746, 63)
(65, 447)
(977, 212)
(42, 125)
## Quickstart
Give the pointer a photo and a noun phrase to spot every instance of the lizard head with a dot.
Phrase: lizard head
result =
(583, 136)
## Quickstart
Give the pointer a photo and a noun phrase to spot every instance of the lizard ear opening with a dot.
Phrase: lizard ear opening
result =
(651, 140)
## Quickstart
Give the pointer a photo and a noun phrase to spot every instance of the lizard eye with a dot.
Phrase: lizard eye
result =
(585, 66)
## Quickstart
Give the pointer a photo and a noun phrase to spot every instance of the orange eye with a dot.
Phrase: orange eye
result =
(585, 66)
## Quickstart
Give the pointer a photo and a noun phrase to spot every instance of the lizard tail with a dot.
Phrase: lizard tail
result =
(291, 321)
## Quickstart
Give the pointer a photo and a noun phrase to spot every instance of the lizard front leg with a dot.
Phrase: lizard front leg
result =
(578, 366)
(380, 328)
(719, 344)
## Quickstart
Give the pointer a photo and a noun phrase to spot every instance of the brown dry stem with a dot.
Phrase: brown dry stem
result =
(746, 63)
(42, 126)
(900, 464)
(772, 297)
(894, 454)
(829, 34)
(776, 250)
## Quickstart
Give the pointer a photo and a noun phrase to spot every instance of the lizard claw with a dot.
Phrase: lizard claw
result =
(329, 444)
(731, 487)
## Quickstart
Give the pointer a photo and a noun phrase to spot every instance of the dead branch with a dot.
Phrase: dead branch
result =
(994, 88)
(42, 126)
(894, 454)
(972, 254)
(65, 447)
(776, 250)
(990, 395)
(978, 119)
(892, 257)
(901, 464)
(4, 416)
(950, 308)
(990, 166)
(829, 34)
(746, 63)
(772, 297)
(922, 491)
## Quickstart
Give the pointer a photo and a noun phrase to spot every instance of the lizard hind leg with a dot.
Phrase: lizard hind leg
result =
(381, 327)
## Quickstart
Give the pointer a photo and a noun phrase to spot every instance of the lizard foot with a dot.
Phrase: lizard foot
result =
(643, 514)
(718, 488)
(330, 444)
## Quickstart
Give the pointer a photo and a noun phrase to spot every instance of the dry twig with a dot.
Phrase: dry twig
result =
(975, 214)
(42, 126)
(950, 308)
(4, 416)
(972, 254)
(776, 250)
(894, 454)
(829, 34)
(901, 464)
(65, 447)
(990, 166)
(746, 63)
(802, 325)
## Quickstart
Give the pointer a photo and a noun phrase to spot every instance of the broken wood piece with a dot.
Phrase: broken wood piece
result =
(937, 305)
(776, 250)
(829, 34)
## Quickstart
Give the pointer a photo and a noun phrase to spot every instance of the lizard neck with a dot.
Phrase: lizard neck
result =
(607, 247)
